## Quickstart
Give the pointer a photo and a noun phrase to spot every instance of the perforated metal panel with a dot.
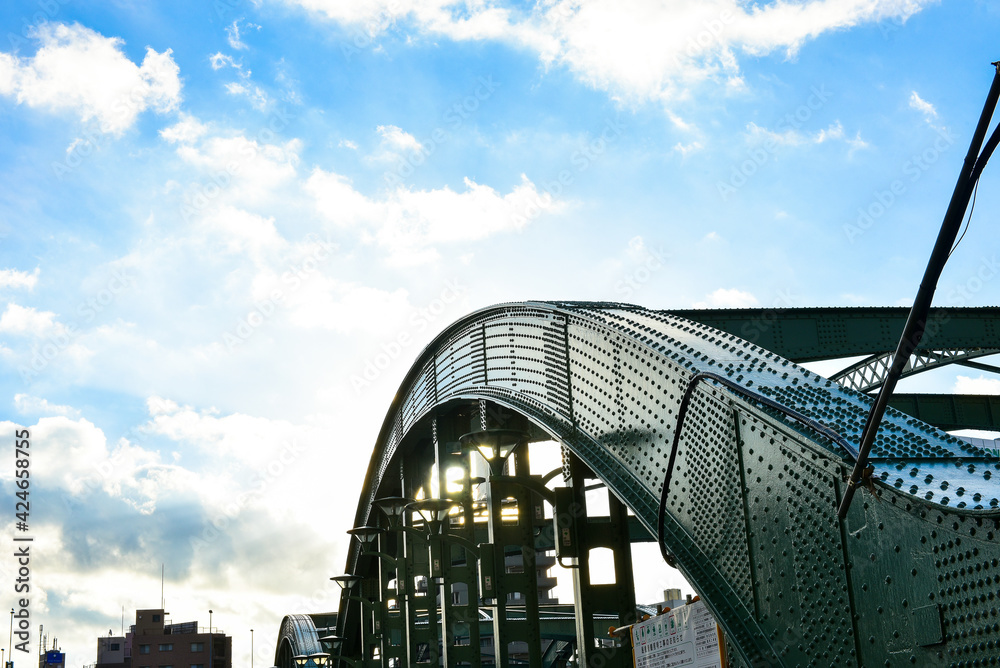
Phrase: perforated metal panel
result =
(752, 508)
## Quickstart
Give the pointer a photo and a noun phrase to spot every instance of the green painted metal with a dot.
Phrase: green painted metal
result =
(952, 411)
(751, 515)
(809, 334)
(506, 536)
(460, 619)
(615, 599)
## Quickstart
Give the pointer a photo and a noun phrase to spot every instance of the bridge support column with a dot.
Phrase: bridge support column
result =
(460, 568)
(616, 598)
(515, 607)
(418, 604)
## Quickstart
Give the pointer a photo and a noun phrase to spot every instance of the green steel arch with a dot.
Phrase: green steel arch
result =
(297, 636)
(910, 577)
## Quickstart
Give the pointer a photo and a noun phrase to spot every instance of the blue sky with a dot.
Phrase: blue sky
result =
(228, 227)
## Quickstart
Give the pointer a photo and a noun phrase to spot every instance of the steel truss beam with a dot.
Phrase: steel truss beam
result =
(952, 411)
(810, 334)
(869, 374)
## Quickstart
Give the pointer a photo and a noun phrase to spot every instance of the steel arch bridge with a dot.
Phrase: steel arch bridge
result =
(910, 577)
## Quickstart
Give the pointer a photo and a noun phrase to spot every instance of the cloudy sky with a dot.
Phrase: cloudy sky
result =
(219, 219)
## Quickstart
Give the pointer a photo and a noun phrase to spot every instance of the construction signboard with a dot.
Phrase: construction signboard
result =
(685, 636)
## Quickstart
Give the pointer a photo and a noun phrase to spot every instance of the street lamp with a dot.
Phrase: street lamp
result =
(393, 507)
(335, 641)
(495, 445)
(251, 648)
(434, 512)
(366, 535)
(319, 659)
(347, 582)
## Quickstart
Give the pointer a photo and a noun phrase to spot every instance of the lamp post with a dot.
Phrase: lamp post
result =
(251, 648)
(404, 620)
(347, 584)
(435, 515)
(211, 643)
(496, 446)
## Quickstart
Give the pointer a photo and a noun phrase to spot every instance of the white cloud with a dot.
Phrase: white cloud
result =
(11, 278)
(980, 385)
(28, 405)
(396, 138)
(26, 320)
(347, 143)
(923, 106)
(245, 87)
(728, 298)
(186, 131)
(756, 135)
(258, 98)
(631, 48)
(685, 149)
(233, 36)
(247, 169)
(220, 60)
(76, 69)
(239, 436)
(410, 223)
(245, 232)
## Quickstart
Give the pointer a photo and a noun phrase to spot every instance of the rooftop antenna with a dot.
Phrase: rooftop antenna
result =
(163, 605)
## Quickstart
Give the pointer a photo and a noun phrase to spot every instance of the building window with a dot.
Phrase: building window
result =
(197, 665)
(166, 647)
(156, 618)
(115, 646)
(143, 649)
(197, 647)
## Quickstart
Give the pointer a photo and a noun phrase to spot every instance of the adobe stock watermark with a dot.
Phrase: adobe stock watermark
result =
(202, 194)
(420, 319)
(963, 293)
(366, 32)
(222, 8)
(294, 276)
(454, 117)
(581, 160)
(884, 199)
(648, 262)
(95, 137)
(47, 11)
(959, 296)
(710, 34)
(758, 156)
(42, 354)
(888, 26)
(287, 454)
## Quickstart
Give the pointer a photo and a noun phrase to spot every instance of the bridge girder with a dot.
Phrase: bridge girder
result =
(751, 515)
